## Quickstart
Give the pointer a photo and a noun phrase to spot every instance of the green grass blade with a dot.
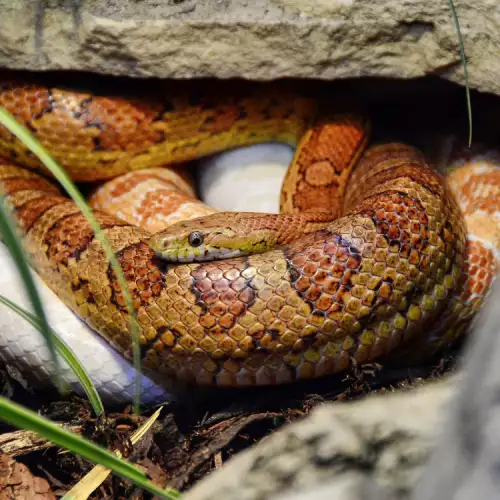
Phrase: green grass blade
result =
(14, 246)
(65, 352)
(464, 64)
(26, 419)
(93, 479)
(30, 142)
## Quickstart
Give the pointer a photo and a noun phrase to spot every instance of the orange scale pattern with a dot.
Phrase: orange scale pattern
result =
(394, 262)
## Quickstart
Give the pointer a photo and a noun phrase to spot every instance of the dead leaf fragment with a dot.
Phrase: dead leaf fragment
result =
(17, 482)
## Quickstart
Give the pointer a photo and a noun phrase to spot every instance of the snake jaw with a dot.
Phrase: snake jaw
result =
(200, 254)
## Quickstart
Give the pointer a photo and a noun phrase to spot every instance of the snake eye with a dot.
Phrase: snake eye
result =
(195, 239)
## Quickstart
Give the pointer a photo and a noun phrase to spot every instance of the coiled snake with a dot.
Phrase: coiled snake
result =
(369, 258)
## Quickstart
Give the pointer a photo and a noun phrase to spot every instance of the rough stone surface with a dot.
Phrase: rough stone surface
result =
(466, 463)
(257, 39)
(372, 449)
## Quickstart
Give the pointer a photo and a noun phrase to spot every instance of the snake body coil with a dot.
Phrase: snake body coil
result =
(373, 253)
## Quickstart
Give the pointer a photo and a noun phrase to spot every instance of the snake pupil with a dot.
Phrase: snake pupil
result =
(195, 239)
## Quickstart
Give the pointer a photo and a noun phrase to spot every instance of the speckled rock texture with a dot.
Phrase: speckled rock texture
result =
(466, 463)
(349, 450)
(257, 39)
(380, 447)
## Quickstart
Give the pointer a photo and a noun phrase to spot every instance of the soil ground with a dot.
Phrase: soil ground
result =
(194, 435)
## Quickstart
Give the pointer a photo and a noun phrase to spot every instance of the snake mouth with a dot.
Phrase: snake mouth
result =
(186, 255)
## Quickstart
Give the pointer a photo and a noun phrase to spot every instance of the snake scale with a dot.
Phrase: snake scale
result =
(373, 256)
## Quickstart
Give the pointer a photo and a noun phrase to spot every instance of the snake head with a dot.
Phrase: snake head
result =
(218, 236)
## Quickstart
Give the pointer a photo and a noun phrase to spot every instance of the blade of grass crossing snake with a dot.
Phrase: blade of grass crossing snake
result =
(9, 122)
(65, 352)
(14, 246)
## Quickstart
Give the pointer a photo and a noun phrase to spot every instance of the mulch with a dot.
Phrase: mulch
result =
(192, 437)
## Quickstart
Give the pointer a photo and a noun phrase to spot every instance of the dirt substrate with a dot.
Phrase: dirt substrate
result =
(191, 437)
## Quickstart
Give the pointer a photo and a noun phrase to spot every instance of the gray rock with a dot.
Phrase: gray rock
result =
(372, 449)
(348, 487)
(466, 463)
(258, 39)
